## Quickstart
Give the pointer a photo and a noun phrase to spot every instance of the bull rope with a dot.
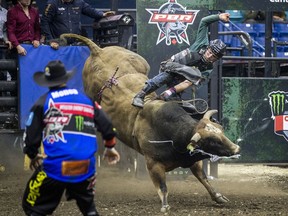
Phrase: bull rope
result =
(213, 158)
(203, 102)
(108, 84)
(168, 141)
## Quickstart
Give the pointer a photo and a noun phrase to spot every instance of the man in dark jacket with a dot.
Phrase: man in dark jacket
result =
(64, 120)
(189, 66)
(64, 16)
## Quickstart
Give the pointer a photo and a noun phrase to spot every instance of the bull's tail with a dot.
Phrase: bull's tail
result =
(94, 49)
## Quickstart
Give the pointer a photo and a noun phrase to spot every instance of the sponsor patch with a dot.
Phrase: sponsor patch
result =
(74, 168)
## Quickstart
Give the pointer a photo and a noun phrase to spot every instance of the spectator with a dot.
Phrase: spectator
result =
(64, 120)
(3, 39)
(23, 25)
(254, 16)
(64, 16)
(3, 34)
(34, 4)
(279, 16)
(189, 66)
(259, 16)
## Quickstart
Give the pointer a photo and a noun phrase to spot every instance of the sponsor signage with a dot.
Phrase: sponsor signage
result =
(266, 5)
(255, 115)
(172, 20)
(279, 110)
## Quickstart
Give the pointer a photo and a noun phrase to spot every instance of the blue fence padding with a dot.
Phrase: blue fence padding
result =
(258, 52)
(225, 27)
(36, 59)
(282, 54)
(220, 27)
(246, 27)
(235, 42)
(280, 27)
(227, 39)
(235, 53)
(283, 37)
(259, 28)
(260, 40)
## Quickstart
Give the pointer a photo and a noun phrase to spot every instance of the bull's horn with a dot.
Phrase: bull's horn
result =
(209, 113)
(94, 49)
(196, 137)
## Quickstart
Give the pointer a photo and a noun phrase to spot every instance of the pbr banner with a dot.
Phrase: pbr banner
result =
(166, 27)
(255, 114)
(73, 57)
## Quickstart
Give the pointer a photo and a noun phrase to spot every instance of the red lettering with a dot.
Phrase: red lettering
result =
(172, 17)
(59, 119)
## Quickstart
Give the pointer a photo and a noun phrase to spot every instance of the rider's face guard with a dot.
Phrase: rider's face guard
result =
(210, 56)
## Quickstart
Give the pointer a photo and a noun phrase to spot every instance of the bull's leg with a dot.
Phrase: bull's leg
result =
(197, 170)
(158, 176)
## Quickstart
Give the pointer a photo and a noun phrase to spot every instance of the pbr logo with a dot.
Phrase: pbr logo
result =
(278, 101)
(55, 121)
(172, 20)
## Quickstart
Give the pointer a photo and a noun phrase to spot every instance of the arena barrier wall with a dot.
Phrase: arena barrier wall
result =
(255, 114)
(73, 57)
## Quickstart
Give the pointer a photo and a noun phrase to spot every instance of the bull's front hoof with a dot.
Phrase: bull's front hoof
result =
(220, 199)
(165, 208)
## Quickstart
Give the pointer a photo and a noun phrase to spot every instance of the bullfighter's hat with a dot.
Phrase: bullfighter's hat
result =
(54, 74)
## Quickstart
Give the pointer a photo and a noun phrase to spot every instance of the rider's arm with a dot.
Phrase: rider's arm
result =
(171, 92)
(182, 86)
(202, 32)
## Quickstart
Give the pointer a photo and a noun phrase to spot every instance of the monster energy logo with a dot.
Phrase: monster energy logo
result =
(79, 123)
(277, 102)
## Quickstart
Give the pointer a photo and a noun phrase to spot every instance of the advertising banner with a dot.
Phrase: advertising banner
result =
(166, 27)
(255, 114)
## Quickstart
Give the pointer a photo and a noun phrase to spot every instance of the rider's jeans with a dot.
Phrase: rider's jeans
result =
(164, 78)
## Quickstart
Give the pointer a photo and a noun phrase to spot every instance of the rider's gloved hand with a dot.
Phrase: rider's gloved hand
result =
(166, 95)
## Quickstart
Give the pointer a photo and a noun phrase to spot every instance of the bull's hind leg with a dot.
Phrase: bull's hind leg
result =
(197, 170)
(158, 176)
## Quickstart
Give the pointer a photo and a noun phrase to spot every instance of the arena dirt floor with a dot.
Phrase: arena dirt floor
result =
(252, 190)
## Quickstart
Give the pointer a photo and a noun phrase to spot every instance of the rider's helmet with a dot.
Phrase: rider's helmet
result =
(218, 47)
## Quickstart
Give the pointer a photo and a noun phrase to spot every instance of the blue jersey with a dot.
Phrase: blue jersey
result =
(65, 120)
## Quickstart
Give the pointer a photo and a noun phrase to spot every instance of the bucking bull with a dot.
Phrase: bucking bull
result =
(161, 131)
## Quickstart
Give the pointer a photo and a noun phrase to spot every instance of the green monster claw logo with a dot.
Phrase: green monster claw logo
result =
(277, 102)
(79, 123)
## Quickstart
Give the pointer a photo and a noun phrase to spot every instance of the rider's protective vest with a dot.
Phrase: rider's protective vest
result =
(188, 58)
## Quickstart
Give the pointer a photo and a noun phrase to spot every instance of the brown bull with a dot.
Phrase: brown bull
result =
(161, 131)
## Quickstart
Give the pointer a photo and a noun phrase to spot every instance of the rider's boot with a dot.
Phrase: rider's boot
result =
(138, 100)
